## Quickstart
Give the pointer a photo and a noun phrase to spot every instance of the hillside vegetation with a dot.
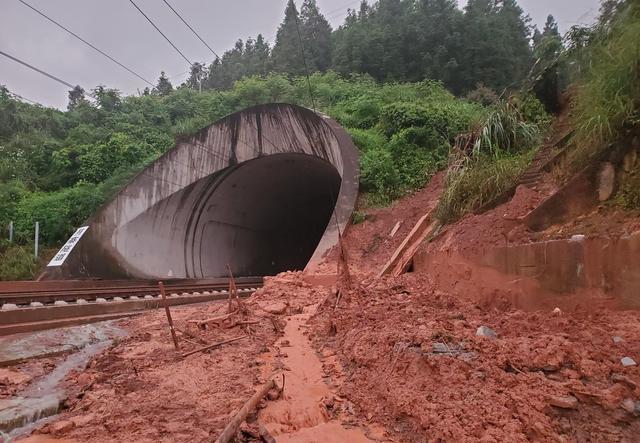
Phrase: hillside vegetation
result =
(415, 94)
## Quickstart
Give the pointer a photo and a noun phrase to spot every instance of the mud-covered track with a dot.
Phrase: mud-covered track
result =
(33, 306)
(48, 292)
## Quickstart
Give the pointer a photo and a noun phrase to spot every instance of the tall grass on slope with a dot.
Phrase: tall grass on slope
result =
(608, 95)
(477, 181)
(488, 161)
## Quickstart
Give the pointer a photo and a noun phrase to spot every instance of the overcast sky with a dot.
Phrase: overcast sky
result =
(117, 28)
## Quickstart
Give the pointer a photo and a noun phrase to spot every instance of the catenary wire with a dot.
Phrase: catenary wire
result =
(86, 42)
(191, 28)
(161, 33)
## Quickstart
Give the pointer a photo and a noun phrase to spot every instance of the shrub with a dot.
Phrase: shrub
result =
(477, 181)
(503, 131)
(16, 263)
(360, 112)
(628, 196)
(417, 154)
(445, 119)
(378, 173)
(608, 95)
(59, 213)
(367, 139)
(483, 95)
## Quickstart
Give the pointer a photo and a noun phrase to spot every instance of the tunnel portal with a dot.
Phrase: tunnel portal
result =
(263, 191)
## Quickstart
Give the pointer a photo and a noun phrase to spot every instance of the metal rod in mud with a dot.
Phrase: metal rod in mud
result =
(166, 309)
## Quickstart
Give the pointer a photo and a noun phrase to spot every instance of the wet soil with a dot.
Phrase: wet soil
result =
(371, 244)
(413, 361)
(395, 359)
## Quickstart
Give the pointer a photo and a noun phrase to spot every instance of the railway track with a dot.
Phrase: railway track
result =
(32, 306)
(49, 292)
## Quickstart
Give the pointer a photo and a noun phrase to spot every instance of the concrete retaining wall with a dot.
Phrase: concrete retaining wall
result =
(589, 273)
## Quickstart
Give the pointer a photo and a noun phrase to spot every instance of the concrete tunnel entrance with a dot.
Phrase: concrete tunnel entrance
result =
(264, 190)
(262, 217)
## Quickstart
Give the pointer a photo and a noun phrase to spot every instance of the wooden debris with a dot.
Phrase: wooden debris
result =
(215, 345)
(232, 428)
(166, 308)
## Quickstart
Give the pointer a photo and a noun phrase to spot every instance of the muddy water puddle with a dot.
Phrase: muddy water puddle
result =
(41, 399)
(301, 415)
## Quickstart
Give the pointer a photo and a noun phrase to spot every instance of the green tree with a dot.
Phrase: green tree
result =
(286, 51)
(196, 76)
(164, 86)
(76, 97)
(315, 31)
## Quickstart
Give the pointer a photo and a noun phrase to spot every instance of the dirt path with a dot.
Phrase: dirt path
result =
(309, 410)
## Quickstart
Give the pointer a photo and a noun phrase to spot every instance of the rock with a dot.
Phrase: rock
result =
(81, 301)
(134, 297)
(577, 238)
(60, 303)
(629, 405)
(83, 420)
(617, 339)
(36, 304)
(630, 160)
(61, 427)
(568, 402)
(485, 331)
(617, 378)
(9, 307)
(606, 181)
(101, 300)
(118, 299)
(251, 431)
(275, 308)
(148, 297)
(628, 361)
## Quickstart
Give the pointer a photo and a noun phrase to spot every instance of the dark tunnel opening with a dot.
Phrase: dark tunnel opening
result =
(261, 217)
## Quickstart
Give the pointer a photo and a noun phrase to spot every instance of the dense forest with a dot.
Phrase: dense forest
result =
(405, 77)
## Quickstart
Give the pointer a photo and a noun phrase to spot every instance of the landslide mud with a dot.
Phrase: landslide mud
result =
(412, 360)
(304, 414)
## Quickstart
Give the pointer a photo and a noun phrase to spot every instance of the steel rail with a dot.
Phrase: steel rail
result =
(21, 293)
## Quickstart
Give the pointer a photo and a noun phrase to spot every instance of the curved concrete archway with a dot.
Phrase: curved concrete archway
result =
(263, 190)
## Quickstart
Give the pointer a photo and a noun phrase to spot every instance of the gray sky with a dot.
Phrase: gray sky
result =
(118, 29)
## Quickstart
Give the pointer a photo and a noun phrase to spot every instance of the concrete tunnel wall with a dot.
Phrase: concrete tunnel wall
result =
(260, 189)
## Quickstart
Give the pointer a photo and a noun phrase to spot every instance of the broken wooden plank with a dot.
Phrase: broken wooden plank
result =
(417, 234)
(232, 428)
(215, 345)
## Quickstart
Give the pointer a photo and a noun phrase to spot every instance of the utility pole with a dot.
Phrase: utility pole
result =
(37, 236)
(11, 232)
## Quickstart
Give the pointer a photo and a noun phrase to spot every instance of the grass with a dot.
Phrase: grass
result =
(17, 262)
(489, 160)
(477, 181)
(607, 100)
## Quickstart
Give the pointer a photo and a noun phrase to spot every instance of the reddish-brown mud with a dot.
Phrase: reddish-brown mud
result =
(413, 362)
(394, 359)
(370, 244)
(142, 390)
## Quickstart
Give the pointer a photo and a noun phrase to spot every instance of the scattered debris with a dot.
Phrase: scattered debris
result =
(232, 428)
(566, 402)
(485, 331)
(628, 361)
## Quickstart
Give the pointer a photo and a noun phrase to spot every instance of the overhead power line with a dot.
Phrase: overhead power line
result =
(86, 42)
(51, 76)
(192, 30)
(161, 33)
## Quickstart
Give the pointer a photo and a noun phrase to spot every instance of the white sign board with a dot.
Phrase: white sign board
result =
(64, 252)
